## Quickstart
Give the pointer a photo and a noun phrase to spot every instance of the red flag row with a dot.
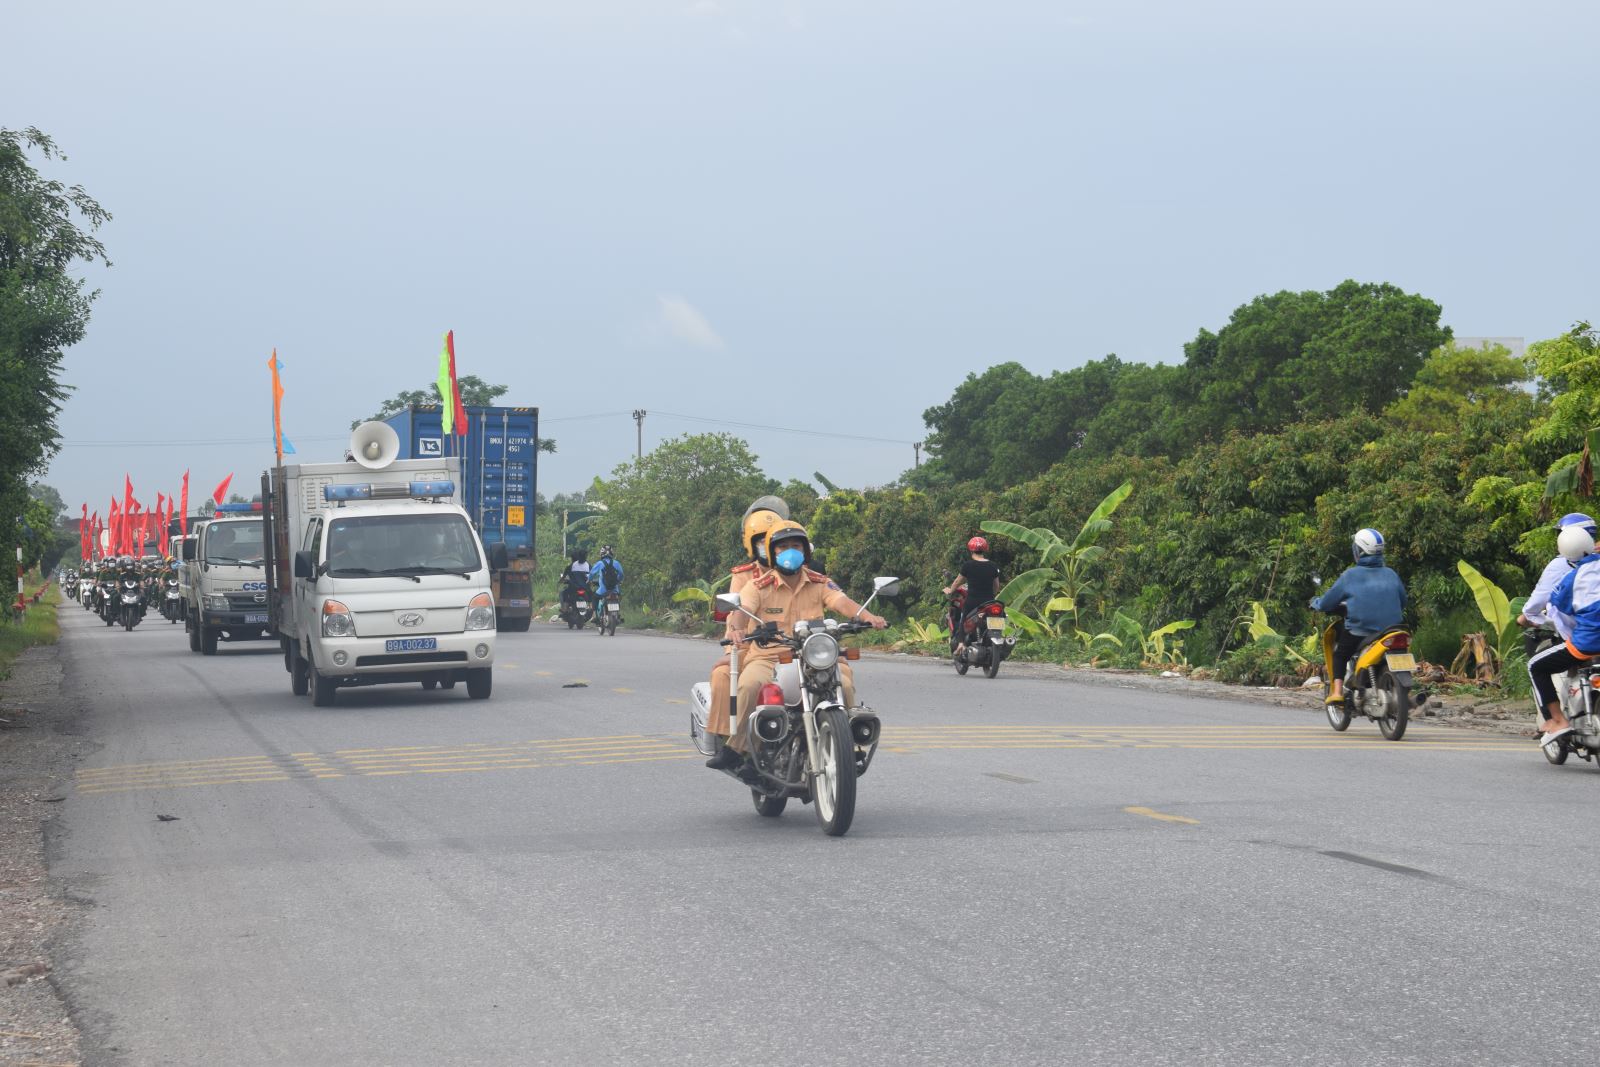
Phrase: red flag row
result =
(130, 527)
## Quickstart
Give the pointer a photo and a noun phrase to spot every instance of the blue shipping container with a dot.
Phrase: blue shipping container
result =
(499, 466)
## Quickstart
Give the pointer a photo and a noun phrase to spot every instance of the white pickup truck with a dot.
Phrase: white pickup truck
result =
(375, 574)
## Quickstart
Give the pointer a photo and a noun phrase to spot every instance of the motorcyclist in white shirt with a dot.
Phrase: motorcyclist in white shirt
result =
(1536, 615)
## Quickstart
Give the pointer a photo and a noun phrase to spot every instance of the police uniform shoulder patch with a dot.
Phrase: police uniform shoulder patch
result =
(813, 576)
(744, 568)
(834, 585)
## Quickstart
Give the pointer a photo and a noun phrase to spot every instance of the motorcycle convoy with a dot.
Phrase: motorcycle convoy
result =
(122, 591)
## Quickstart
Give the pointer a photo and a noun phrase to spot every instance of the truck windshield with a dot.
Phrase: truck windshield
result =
(234, 543)
(361, 546)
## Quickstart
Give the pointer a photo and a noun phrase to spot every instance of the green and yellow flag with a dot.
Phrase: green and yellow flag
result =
(446, 393)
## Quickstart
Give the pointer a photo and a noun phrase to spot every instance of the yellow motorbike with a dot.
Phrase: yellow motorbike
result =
(1377, 681)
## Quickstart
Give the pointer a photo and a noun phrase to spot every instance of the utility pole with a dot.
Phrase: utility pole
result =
(916, 447)
(638, 417)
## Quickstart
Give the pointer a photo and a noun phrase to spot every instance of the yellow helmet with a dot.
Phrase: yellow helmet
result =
(757, 525)
(787, 531)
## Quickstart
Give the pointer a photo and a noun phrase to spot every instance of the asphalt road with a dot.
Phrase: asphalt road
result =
(1039, 872)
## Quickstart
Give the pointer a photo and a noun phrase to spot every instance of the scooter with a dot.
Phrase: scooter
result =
(981, 633)
(610, 614)
(1377, 680)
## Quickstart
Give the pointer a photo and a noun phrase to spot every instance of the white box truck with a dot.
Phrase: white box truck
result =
(375, 574)
(221, 582)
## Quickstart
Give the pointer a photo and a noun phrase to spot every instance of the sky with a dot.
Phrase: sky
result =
(768, 215)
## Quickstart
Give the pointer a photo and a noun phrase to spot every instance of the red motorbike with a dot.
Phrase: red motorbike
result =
(978, 637)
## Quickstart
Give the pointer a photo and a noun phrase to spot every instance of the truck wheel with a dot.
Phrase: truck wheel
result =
(194, 637)
(208, 639)
(513, 626)
(299, 672)
(430, 683)
(480, 683)
(322, 689)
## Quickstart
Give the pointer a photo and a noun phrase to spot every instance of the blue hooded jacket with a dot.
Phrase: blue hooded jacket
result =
(1373, 596)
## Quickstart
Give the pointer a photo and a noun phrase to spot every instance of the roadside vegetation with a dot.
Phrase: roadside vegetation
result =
(37, 626)
(1158, 516)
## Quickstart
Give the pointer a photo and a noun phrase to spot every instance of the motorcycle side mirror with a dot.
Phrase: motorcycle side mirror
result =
(728, 602)
(1316, 580)
(888, 588)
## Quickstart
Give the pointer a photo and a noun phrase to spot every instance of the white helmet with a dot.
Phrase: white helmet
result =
(1367, 542)
(1574, 543)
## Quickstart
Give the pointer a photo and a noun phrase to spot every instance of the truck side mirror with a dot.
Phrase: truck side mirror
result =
(303, 565)
(499, 558)
(188, 550)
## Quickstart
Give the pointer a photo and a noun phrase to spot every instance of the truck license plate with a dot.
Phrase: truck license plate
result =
(411, 644)
(1400, 661)
(255, 618)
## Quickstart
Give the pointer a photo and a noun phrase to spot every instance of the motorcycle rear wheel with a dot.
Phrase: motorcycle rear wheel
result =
(768, 806)
(834, 786)
(1397, 701)
(1338, 714)
(959, 658)
(992, 668)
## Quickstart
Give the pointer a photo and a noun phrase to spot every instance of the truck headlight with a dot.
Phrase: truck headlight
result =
(216, 603)
(337, 620)
(480, 612)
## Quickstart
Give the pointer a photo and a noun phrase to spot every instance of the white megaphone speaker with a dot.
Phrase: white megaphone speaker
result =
(374, 445)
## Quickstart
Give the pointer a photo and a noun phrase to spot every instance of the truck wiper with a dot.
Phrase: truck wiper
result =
(410, 572)
(366, 572)
(236, 562)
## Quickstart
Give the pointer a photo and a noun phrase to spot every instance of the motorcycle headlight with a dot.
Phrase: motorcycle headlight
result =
(820, 652)
(480, 612)
(337, 620)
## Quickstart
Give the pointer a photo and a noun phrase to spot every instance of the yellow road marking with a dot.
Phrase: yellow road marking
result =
(1152, 814)
(544, 674)
(675, 700)
(621, 689)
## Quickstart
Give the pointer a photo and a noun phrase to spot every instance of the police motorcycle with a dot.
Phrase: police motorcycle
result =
(982, 632)
(69, 584)
(1377, 680)
(803, 741)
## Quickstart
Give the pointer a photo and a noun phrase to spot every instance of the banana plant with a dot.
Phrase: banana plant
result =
(1153, 647)
(1498, 611)
(701, 591)
(1258, 627)
(1062, 574)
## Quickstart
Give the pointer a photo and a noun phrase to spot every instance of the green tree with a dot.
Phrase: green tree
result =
(674, 515)
(1455, 381)
(1293, 356)
(46, 228)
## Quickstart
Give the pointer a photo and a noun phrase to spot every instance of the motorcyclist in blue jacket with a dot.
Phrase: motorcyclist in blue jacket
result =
(1373, 598)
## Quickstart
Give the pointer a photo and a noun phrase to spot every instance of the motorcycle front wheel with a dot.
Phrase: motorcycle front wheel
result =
(834, 786)
(959, 658)
(1397, 702)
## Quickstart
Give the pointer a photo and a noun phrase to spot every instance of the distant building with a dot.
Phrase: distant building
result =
(1517, 345)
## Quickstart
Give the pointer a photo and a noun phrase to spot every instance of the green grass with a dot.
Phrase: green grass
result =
(38, 626)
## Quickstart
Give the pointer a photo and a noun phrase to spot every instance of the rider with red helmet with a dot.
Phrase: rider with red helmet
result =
(981, 580)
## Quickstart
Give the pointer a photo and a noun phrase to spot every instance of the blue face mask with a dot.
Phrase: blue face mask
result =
(790, 560)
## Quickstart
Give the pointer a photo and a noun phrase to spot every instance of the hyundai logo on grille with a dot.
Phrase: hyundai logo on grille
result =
(411, 618)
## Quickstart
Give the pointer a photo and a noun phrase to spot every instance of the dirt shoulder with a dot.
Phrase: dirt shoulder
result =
(36, 717)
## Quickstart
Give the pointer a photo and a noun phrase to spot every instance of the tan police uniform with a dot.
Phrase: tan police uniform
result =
(717, 719)
(771, 598)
